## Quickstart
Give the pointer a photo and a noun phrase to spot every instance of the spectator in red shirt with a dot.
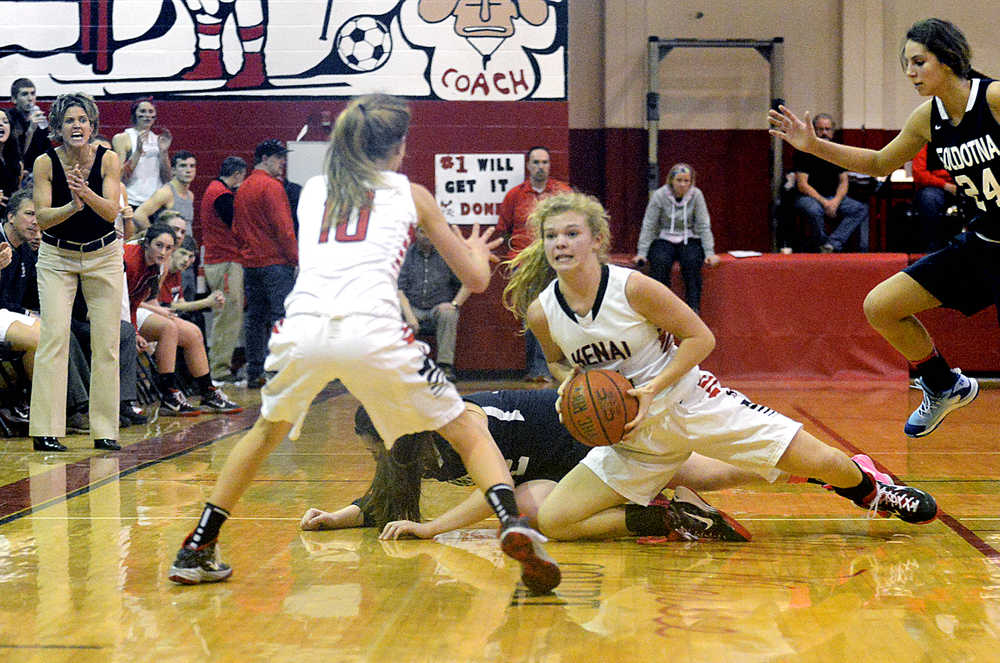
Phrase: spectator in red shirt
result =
(517, 205)
(223, 271)
(143, 263)
(935, 195)
(269, 252)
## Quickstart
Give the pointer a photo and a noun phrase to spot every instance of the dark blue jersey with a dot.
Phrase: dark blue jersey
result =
(970, 151)
(527, 431)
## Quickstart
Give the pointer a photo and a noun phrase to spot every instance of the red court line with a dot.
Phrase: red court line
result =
(950, 521)
(15, 498)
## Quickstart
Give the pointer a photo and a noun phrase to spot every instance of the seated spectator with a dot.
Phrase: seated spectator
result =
(143, 263)
(144, 155)
(936, 193)
(174, 296)
(823, 188)
(19, 324)
(223, 270)
(18, 330)
(430, 296)
(677, 228)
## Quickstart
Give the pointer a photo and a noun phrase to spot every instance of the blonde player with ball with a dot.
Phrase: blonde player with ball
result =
(589, 314)
(343, 321)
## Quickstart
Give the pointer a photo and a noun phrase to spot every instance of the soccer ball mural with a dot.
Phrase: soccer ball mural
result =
(364, 43)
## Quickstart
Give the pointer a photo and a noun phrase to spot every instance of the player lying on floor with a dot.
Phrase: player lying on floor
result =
(540, 451)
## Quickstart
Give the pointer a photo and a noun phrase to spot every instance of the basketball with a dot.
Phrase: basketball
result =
(596, 406)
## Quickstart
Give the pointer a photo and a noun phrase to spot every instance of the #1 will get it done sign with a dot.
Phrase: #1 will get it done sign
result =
(470, 187)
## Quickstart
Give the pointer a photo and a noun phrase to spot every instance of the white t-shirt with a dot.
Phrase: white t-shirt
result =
(145, 178)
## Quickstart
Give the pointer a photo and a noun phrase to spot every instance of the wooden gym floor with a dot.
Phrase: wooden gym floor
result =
(86, 539)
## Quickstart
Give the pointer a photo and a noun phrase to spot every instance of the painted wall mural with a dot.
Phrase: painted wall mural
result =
(469, 50)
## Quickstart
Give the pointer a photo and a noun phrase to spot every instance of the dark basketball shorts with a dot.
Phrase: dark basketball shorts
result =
(965, 275)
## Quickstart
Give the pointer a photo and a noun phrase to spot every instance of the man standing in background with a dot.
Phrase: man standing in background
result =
(269, 253)
(515, 209)
(223, 270)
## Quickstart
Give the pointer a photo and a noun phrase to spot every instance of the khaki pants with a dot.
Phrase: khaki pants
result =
(100, 276)
(228, 321)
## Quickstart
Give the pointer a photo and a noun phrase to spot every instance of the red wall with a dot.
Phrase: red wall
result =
(213, 130)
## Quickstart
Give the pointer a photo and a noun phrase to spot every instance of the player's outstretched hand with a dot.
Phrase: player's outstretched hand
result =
(799, 133)
(398, 528)
(316, 519)
(479, 242)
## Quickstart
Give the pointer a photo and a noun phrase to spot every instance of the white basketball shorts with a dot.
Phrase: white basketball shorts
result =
(710, 419)
(376, 359)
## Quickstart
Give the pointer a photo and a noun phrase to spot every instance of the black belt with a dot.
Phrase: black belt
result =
(83, 247)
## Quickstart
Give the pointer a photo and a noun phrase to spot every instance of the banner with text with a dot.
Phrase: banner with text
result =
(470, 187)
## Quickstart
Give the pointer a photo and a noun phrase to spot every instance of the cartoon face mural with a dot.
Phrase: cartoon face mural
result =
(484, 18)
(488, 50)
(484, 23)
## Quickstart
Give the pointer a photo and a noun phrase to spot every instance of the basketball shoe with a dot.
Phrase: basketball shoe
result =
(693, 519)
(909, 504)
(217, 401)
(175, 404)
(936, 406)
(539, 572)
(193, 567)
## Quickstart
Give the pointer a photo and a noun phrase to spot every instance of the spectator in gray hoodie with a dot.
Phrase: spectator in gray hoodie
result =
(677, 227)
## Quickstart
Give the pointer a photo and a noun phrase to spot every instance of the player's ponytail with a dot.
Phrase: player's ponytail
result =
(371, 128)
(529, 273)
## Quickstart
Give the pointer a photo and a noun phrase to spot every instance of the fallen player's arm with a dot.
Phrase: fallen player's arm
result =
(471, 510)
(349, 516)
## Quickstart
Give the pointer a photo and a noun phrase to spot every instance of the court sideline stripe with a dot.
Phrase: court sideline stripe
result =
(950, 521)
(15, 497)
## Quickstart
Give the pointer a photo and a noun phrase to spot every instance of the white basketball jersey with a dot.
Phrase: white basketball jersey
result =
(611, 335)
(355, 267)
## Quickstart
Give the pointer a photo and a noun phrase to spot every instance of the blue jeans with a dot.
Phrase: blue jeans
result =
(663, 254)
(265, 289)
(852, 215)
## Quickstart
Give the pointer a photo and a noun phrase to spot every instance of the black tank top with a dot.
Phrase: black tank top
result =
(85, 225)
(970, 151)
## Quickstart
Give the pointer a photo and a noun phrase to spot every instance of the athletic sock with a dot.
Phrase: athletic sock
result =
(207, 530)
(501, 498)
(166, 381)
(935, 372)
(858, 493)
(204, 384)
(646, 520)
